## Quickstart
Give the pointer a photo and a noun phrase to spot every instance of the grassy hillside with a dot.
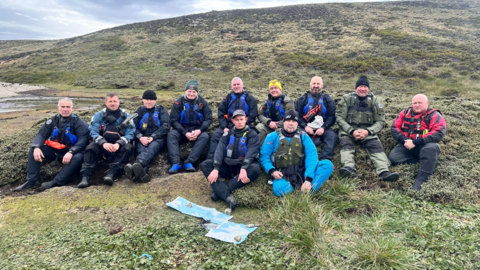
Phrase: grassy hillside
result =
(414, 45)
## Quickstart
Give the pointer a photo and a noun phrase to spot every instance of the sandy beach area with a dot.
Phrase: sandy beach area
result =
(14, 89)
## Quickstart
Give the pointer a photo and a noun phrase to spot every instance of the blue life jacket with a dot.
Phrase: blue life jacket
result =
(239, 144)
(191, 115)
(144, 126)
(237, 104)
(279, 110)
(310, 105)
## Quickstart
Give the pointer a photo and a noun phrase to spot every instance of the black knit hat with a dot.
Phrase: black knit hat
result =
(291, 115)
(363, 80)
(149, 94)
(192, 84)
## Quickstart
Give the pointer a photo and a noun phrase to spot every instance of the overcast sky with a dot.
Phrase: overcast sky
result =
(57, 19)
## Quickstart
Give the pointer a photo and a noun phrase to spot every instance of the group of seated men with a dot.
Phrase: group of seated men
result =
(283, 143)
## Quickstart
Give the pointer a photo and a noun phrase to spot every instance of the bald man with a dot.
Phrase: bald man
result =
(317, 115)
(238, 99)
(418, 130)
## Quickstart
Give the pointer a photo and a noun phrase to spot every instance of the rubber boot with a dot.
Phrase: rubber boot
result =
(232, 202)
(389, 176)
(140, 173)
(85, 182)
(347, 172)
(129, 172)
(49, 184)
(421, 178)
(112, 172)
(27, 185)
(213, 196)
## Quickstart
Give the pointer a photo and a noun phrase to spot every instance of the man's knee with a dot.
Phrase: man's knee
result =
(93, 146)
(282, 187)
(374, 146)
(330, 136)
(173, 135)
(346, 143)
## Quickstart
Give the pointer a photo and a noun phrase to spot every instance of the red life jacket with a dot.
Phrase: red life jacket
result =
(417, 126)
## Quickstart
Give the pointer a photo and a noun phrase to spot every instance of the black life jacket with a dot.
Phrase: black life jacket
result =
(109, 131)
(360, 113)
(61, 138)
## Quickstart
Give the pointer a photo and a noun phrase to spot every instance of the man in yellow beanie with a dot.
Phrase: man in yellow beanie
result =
(272, 110)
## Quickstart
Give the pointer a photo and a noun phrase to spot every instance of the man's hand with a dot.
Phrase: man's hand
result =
(243, 176)
(309, 130)
(409, 144)
(193, 136)
(213, 176)
(225, 130)
(360, 134)
(110, 147)
(273, 125)
(67, 158)
(306, 187)
(38, 154)
(146, 140)
(277, 175)
(319, 132)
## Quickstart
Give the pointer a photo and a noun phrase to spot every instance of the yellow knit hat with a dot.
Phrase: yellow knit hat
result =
(275, 82)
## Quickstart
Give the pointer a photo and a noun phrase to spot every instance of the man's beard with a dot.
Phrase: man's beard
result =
(290, 129)
(316, 90)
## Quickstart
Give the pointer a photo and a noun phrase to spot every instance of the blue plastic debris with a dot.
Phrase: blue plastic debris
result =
(143, 255)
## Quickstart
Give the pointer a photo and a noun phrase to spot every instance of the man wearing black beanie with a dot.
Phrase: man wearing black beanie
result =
(360, 117)
(152, 125)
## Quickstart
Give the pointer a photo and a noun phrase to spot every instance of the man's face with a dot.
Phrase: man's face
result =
(275, 91)
(237, 86)
(148, 103)
(420, 104)
(290, 125)
(239, 121)
(65, 108)
(362, 90)
(316, 85)
(112, 103)
(191, 94)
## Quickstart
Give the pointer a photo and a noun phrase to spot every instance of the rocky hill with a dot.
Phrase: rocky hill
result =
(406, 45)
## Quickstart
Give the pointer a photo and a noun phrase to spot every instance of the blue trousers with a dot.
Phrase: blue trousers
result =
(323, 171)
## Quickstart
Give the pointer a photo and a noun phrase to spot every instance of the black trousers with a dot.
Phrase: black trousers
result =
(222, 189)
(426, 154)
(174, 138)
(145, 154)
(329, 139)
(117, 160)
(33, 167)
(214, 142)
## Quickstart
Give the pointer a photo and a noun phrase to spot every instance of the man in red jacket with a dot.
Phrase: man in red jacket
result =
(418, 130)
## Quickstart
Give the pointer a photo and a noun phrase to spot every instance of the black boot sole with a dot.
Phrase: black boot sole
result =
(140, 173)
(129, 171)
(393, 177)
(345, 173)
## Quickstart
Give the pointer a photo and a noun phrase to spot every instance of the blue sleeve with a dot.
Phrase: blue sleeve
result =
(311, 156)
(268, 148)
(97, 120)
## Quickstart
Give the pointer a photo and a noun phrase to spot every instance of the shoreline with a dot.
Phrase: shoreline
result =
(14, 89)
